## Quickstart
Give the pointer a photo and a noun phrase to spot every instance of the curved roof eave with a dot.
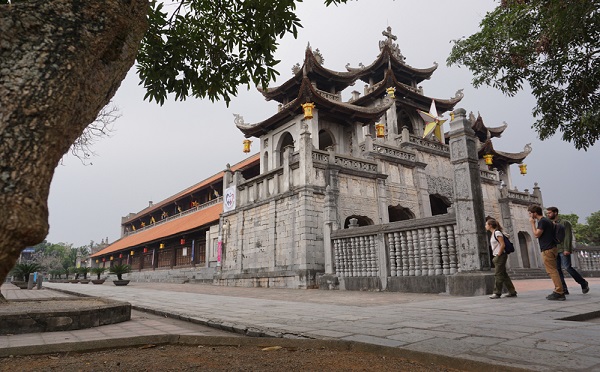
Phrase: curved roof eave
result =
(510, 158)
(386, 55)
(420, 101)
(310, 66)
(308, 93)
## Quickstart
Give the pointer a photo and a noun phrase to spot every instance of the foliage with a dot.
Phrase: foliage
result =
(22, 270)
(83, 270)
(554, 45)
(119, 270)
(207, 48)
(589, 234)
(56, 273)
(98, 271)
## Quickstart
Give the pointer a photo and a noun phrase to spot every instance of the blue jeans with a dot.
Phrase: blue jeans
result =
(564, 262)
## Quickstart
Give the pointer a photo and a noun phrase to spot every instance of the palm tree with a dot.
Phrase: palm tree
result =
(98, 271)
(119, 270)
(23, 270)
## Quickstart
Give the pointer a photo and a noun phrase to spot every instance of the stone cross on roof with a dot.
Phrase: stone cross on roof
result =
(389, 35)
(390, 41)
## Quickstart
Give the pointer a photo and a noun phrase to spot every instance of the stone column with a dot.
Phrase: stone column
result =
(305, 152)
(471, 239)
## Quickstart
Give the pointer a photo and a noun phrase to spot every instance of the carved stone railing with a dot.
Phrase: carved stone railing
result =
(394, 152)
(356, 256)
(330, 96)
(413, 89)
(423, 247)
(423, 252)
(320, 156)
(520, 197)
(354, 163)
(488, 175)
(588, 258)
(178, 215)
(425, 144)
(372, 88)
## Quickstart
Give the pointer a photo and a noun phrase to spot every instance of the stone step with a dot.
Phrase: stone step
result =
(534, 273)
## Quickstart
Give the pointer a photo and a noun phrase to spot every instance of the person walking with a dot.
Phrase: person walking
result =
(563, 261)
(543, 230)
(499, 260)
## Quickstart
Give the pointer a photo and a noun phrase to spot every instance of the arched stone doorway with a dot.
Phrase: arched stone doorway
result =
(439, 204)
(362, 221)
(523, 250)
(285, 141)
(325, 139)
(399, 213)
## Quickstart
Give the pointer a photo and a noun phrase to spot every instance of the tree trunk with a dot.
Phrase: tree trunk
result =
(61, 61)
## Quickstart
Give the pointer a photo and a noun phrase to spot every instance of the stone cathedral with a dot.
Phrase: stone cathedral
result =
(369, 190)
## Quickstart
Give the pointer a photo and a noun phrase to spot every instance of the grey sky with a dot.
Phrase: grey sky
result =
(158, 151)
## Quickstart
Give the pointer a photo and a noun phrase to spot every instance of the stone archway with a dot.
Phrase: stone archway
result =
(362, 221)
(523, 250)
(399, 213)
(326, 139)
(439, 204)
(285, 140)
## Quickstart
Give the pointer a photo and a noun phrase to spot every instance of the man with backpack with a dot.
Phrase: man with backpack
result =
(543, 229)
(565, 248)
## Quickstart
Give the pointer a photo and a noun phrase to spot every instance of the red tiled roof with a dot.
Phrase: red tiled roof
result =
(195, 187)
(176, 226)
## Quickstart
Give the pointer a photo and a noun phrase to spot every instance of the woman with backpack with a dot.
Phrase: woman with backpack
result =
(497, 241)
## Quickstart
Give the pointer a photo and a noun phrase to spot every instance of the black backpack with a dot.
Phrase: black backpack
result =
(509, 247)
(559, 233)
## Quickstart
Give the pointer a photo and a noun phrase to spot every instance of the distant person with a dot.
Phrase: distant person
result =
(499, 260)
(563, 261)
(543, 229)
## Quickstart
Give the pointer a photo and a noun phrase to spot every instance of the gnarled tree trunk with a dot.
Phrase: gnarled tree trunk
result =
(61, 61)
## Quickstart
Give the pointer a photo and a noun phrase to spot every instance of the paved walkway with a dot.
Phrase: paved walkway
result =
(521, 332)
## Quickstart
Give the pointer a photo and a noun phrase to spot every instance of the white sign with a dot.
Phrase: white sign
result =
(229, 199)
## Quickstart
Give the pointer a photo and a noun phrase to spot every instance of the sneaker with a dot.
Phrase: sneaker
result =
(510, 295)
(585, 289)
(556, 297)
(495, 296)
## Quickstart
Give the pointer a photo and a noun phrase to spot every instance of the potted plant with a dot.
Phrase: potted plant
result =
(22, 271)
(75, 271)
(84, 270)
(98, 271)
(119, 270)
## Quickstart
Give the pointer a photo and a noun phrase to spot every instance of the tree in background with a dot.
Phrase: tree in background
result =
(554, 45)
(589, 234)
(61, 64)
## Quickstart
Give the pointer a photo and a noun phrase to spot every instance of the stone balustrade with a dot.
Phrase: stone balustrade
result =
(428, 145)
(423, 247)
(330, 96)
(344, 161)
(488, 175)
(588, 258)
(520, 197)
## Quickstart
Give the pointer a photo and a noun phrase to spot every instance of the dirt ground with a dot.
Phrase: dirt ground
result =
(217, 358)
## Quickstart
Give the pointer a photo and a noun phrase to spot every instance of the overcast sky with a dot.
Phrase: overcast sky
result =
(157, 151)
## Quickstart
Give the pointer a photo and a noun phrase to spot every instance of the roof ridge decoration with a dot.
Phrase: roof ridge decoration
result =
(390, 38)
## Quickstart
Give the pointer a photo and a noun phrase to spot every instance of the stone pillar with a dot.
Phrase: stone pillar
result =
(305, 152)
(287, 172)
(330, 219)
(384, 216)
(474, 277)
(538, 193)
(368, 142)
(392, 120)
(422, 189)
(470, 233)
